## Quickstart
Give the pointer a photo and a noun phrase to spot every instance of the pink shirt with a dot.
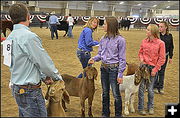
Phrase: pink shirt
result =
(152, 52)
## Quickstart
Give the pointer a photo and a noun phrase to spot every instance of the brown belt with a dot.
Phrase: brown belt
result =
(30, 86)
(83, 50)
(110, 65)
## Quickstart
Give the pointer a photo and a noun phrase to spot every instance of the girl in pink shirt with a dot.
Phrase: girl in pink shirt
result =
(152, 55)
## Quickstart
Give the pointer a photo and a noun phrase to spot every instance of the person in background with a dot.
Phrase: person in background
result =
(70, 22)
(86, 42)
(168, 40)
(41, 22)
(112, 53)
(151, 55)
(47, 20)
(53, 21)
(30, 64)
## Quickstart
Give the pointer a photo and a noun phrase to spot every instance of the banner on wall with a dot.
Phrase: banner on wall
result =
(174, 22)
(158, 20)
(144, 21)
(41, 18)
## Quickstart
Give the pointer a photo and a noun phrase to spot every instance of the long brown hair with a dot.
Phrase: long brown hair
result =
(89, 23)
(112, 27)
(166, 25)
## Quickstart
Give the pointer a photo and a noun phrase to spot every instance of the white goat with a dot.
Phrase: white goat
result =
(131, 85)
(130, 89)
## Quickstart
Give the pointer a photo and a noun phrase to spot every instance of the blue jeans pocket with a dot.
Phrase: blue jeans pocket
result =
(21, 98)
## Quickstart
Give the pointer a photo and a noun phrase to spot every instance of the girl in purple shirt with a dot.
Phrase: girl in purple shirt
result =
(112, 53)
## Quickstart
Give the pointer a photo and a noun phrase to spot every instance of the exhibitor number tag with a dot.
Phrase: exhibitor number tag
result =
(7, 47)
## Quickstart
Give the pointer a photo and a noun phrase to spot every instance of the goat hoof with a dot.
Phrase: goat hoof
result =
(65, 110)
(82, 115)
(90, 115)
(126, 113)
(132, 111)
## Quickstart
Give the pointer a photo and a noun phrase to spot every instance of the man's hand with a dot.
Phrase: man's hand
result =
(120, 80)
(48, 81)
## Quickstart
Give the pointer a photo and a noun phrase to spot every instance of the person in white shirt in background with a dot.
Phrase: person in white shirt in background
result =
(70, 21)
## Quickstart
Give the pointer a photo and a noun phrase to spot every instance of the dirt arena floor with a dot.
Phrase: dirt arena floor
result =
(63, 54)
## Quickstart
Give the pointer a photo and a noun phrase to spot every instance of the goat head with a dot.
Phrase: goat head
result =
(91, 72)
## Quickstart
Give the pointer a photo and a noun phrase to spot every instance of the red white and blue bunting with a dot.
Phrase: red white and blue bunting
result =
(100, 17)
(7, 17)
(145, 21)
(41, 18)
(76, 18)
(132, 19)
(31, 17)
(174, 22)
(61, 18)
(85, 18)
(158, 20)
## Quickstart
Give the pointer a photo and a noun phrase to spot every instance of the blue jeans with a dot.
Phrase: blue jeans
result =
(159, 81)
(84, 57)
(70, 32)
(53, 30)
(150, 87)
(109, 77)
(31, 103)
(48, 25)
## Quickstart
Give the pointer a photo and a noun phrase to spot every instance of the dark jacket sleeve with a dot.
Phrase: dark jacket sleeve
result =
(171, 46)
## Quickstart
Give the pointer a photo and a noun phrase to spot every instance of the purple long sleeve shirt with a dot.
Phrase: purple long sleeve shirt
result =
(113, 50)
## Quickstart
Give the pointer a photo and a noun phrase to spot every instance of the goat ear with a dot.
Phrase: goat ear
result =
(95, 75)
(47, 93)
(85, 69)
(66, 96)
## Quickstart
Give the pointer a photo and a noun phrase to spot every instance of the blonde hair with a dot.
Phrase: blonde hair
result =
(89, 23)
(154, 30)
(166, 25)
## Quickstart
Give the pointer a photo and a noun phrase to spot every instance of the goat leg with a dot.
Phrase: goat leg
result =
(127, 98)
(65, 33)
(126, 110)
(90, 99)
(82, 107)
(132, 103)
(64, 105)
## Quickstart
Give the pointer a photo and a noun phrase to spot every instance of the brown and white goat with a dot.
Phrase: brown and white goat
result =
(55, 93)
(82, 87)
(131, 85)
(132, 67)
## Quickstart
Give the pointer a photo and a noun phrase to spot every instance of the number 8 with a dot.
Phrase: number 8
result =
(8, 47)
